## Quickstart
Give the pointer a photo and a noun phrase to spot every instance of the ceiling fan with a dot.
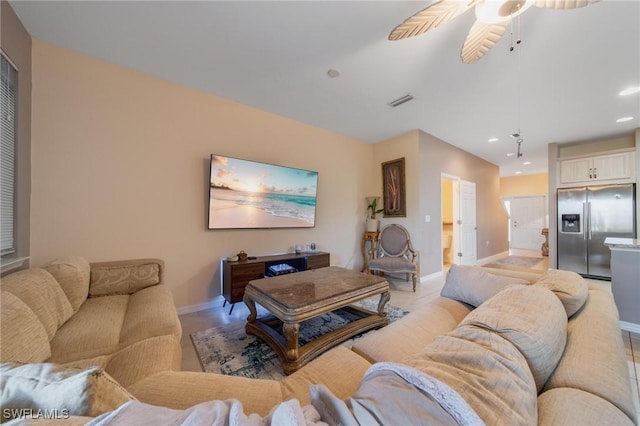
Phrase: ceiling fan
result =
(492, 19)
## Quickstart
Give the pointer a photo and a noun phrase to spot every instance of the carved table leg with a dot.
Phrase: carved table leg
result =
(384, 298)
(253, 313)
(291, 332)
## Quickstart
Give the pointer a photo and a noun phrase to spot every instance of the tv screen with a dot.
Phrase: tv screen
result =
(249, 194)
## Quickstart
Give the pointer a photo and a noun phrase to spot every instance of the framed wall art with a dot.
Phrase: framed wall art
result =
(393, 188)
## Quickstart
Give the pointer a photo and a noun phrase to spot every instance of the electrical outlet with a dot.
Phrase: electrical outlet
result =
(427, 218)
(487, 243)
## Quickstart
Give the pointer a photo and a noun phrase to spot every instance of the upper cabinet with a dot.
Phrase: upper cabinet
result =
(606, 168)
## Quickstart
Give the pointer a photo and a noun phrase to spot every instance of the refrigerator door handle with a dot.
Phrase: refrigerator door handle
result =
(584, 221)
(589, 224)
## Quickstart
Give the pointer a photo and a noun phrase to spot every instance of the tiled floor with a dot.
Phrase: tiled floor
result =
(401, 296)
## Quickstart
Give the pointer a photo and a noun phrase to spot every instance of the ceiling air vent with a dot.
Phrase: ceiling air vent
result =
(400, 101)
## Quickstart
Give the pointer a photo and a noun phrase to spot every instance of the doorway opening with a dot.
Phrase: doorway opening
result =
(458, 209)
(449, 219)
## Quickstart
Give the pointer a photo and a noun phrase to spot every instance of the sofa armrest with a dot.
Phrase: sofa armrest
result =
(124, 276)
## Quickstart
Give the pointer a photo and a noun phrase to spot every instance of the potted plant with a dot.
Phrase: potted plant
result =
(373, 210)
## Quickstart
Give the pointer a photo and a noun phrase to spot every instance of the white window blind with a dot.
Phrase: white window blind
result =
(8, 92)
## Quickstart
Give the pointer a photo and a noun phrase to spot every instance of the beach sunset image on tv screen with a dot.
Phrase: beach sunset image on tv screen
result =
(250, 194)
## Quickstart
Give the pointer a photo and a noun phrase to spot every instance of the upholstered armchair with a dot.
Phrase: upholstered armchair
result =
(394, 254)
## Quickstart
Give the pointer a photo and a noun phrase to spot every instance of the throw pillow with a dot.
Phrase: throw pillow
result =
(571, 288)
(67, 390)
(474, 286)
(123, 279)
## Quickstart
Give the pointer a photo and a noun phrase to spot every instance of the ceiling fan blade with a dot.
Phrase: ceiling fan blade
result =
(564, 4)
(431, 17)
(480, 39)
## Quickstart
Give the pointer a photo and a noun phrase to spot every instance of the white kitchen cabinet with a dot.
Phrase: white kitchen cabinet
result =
(607, 168)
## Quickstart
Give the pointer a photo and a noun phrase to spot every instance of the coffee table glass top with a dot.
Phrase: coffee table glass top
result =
(309, 287)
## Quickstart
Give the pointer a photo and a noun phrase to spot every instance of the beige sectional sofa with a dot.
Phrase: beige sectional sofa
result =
(526, 355)
(115, 315)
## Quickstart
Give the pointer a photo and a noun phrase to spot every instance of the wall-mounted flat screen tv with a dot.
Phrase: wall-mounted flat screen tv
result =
(249, 194)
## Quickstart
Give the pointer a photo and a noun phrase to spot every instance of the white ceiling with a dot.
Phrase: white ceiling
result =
(564, 78)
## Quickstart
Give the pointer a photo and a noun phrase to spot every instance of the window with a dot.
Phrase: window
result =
(8, 96)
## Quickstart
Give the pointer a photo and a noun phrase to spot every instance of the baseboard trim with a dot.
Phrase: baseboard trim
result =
(215, 303)
(431, 276)
(629, 326)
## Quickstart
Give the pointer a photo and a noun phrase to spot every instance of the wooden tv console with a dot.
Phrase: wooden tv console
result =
(237, 274)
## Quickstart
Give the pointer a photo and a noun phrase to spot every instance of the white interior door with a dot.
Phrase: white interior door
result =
(468, 254)
(527, 218)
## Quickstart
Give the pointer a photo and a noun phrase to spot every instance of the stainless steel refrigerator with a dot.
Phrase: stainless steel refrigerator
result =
(588, 215)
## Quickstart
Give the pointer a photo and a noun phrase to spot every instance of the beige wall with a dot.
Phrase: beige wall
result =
(437, 158)
(406, 146)
(515, 186)
(16, 44)
(426, 159)
(120, 171)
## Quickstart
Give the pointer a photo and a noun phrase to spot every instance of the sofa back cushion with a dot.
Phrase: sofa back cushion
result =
(22, 335)
(72, 273)
(594, 357)
(40, 291)
(533, 320)
(472, 285)
(571, 288)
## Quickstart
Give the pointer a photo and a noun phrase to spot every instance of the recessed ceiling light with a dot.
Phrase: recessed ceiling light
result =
(630, 91)
(526, 163)
(518, 173)
(624, 119)
(510, 154)
(493, 140)
(333, 73)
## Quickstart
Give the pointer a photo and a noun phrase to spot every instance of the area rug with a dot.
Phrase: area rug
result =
(516, 261)
(229, 350)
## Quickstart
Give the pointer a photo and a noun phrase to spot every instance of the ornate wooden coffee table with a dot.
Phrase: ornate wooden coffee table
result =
(294, 298)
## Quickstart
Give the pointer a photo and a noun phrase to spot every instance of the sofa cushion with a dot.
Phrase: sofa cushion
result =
(40, 291)
(47, 386)
(150, 312)
(118, 278)
(72, 273)
(569, 406)
(533, 320)
(145, 358)
(474, 286)
(570, 288)
(339, 369)
(93, 331)
(413, 332)
(180, 390)
(22, 336)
